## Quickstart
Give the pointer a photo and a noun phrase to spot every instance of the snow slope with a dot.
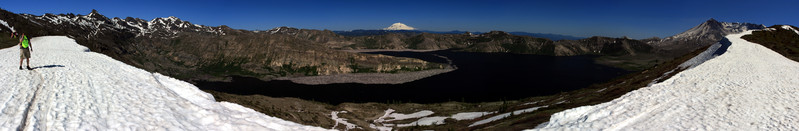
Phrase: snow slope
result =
(74, 89)
(749, 87)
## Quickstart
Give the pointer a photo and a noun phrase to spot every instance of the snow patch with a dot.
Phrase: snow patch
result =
(380, 123)
(438, 120)
(503, 115)
(275, 30)
(400, 116)
(710, 53)
(787, 27)
(184, 89)
(706, 55)
(380, 128)
(600, 90)
(169, 26)
(530, 103)
(343, 121)
(72, 89)
(6, 24)
(426, 121)
(469, 115)
(750, 87)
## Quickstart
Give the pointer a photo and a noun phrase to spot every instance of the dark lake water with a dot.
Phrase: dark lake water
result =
(480, 77)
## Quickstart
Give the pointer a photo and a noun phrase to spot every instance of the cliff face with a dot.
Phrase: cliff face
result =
(502, 42)
(619, 52)
(261, 54)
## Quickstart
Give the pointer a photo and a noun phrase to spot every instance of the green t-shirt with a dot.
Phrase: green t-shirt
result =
(25, 42)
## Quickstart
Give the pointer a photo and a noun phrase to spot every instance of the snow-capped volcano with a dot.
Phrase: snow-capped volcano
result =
(399, 26)
(715, 30)
(705, 34)
(748, 87)
(74, 89)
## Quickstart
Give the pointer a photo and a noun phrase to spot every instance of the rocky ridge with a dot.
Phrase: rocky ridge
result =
(196, 52)
(170, 45)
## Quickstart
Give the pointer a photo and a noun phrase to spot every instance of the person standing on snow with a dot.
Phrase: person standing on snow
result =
(14, 34)
(25, 51)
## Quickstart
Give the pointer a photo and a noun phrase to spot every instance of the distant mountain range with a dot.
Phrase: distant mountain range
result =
(710, 31)
(555, 37)
(400, 28)
(190, 51)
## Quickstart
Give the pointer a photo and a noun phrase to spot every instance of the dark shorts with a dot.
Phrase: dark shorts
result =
(25, 53)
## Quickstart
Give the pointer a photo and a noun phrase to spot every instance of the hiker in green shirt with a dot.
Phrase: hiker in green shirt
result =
(25, 51)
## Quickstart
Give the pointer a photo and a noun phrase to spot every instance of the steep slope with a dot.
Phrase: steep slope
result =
(709, 32)
(748, 87)
(325, 38)
(4, 31)
(74, 89)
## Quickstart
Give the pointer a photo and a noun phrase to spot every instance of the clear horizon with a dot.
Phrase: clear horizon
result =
(581, 18)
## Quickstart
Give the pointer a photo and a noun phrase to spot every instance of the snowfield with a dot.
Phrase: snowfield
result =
(749, 87)
(504, 115)
(424, 119)
(342, 121)
(74, 89)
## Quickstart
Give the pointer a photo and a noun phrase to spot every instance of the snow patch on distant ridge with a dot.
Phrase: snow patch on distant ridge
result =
(159, 27)
(788, 27)
(6, 24)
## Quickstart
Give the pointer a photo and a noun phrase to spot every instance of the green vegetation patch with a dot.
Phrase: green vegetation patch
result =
(404, 69)
(224, 68)
(361, 69)
(291, 69)
(413, 42)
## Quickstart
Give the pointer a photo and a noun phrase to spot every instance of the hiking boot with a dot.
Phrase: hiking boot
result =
(20, 67)
(29, 68)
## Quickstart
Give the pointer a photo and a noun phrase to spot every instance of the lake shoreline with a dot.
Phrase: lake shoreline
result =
(479, 77)
(367, 78)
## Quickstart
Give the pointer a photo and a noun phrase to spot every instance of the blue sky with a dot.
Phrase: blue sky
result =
(583, 18)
